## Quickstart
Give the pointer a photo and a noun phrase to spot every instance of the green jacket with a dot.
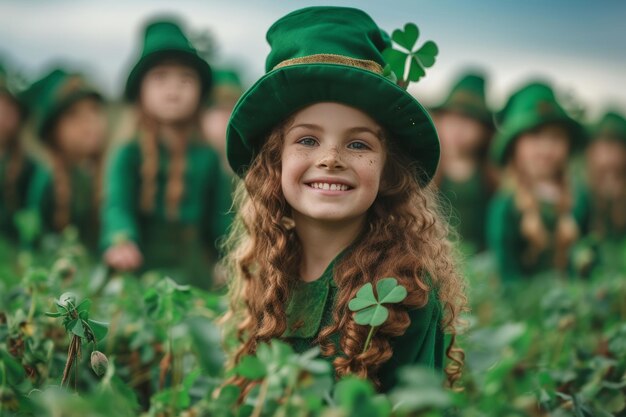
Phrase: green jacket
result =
(468, 209)
(310, 309)
(83, 208)
(180, 247)
(509, 246)
(9, 208)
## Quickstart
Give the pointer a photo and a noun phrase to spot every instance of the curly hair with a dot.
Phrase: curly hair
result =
(404, 237)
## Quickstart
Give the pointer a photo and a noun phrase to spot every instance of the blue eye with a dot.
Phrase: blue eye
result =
(308, 141)
(358, 146)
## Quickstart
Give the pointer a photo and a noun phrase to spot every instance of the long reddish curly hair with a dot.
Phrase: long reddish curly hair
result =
(404, 237)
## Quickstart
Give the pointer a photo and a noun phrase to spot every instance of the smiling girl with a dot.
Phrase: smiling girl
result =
(166, 199)
(335, 160)
(536, 216)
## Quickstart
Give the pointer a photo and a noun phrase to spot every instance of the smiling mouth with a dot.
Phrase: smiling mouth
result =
(329, 186)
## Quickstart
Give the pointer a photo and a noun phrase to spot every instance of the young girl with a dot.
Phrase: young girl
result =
(466, 178)
(335, 160)
(606, 170)
(166, 199)
(16, 168)
(72, 127)
(536, 216)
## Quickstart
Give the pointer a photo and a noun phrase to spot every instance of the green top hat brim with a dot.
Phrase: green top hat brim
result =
(48, 120)
(284, 91)
(503, 142)
(148, 61)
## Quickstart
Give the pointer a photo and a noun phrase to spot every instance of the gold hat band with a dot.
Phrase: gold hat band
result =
(333, 59)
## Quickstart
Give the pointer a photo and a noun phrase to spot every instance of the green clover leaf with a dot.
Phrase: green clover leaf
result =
(369, 309)
(407, 58)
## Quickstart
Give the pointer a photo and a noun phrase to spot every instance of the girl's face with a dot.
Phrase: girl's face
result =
(606, 161)
(170, 92)
(541, 154)
(332, 162)
(460, 134)
(80, 131)
(9, 119)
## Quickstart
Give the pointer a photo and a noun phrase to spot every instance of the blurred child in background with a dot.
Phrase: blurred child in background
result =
(71, 124)
(466, 178)
(166, 201)
(535, 217)
(226, 91)
(16, 168)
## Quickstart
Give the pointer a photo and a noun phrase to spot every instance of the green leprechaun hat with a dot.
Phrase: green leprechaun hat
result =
(468, 98)
(227, 88)
(532, 106)
(330, 54)
(164, 39)
(50, 96)
(612, 126)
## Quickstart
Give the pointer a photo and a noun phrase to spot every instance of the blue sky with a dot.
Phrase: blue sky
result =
(578, 45)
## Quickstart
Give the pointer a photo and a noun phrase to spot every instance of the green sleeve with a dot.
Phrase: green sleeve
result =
(119, 210)
(218, 217)
(421, 344)
(502, 237)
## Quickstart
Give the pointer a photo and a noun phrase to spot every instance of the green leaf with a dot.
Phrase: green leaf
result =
(427, 54)
(389, 291)
(415, 70)
(251, 367)
(372, 316)
(77, 328)
(84, 305)
(98, 328)
(406, 38)
(53, 314)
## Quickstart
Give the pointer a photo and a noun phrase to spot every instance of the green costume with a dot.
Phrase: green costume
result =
(181, 246)
(83, 207)
(531, 107)
(12, 191)
(468, 199)
(334, 54)
(50, 97)
(468, 205)
(310, 309)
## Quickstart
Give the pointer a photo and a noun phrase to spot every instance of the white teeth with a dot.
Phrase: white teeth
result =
(330, 187)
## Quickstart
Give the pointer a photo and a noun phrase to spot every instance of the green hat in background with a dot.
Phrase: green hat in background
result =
(612, 126)
(329, 54)
(530, 107)
(50, 96)
(164, 39)
(468, 98)
(227, 88)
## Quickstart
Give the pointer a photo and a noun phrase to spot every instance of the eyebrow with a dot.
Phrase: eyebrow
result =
(357, 129)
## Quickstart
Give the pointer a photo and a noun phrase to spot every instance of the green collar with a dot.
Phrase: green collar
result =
(308, 302)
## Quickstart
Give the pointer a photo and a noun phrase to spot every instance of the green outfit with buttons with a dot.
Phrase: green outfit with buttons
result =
(183, 246)
(468, 198)
(531, 107)
(311, 61)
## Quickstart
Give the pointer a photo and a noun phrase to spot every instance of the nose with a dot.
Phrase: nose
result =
(331, 159)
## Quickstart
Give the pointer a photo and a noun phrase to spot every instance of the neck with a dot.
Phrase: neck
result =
(322, 242)
(172, 133)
